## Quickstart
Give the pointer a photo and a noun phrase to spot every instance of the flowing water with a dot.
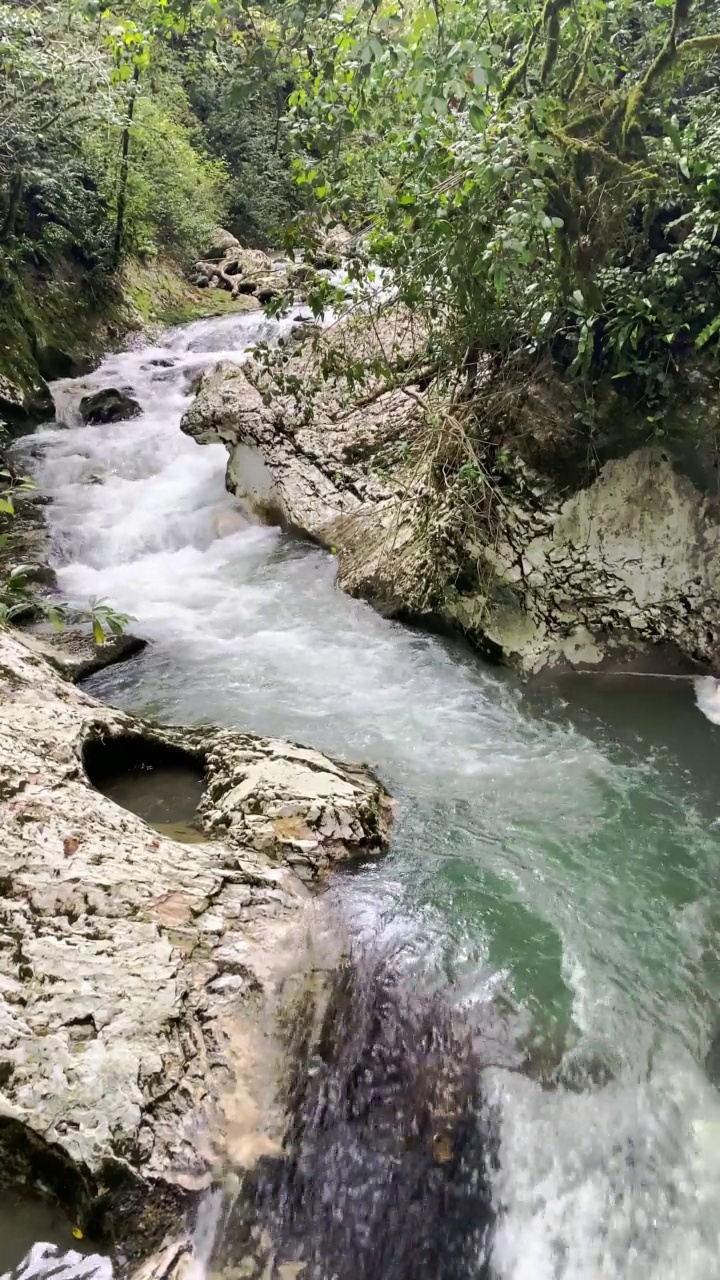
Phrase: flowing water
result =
(557, 842)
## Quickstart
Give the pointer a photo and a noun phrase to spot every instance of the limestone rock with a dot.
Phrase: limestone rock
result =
(131, 965)
(74, 653)
(306, 463)
(333, 247)
(108, 405)
(534, 568)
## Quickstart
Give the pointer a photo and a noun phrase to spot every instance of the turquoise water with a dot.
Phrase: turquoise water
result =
(556, 842)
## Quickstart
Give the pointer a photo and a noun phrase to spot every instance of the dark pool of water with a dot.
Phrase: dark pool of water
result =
(162, 797)
(24, 1220)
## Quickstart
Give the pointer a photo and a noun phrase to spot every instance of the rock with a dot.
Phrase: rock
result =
(536, 567)
(38, 573)
(122, 1052)
(267, 293)
(108, 405)
(222, 242)
(630, 562)
(339, 239)
(74, 653)
(306, 475)
(54, 362)
(247, 271)
(335, 246)
(25, 401)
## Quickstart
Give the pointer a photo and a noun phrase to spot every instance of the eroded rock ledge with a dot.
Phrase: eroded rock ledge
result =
(131, 964)
(536, 567)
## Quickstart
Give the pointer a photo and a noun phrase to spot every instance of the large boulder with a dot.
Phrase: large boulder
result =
(222, 243)
(108, 405)
(333, 247)
(136, 971)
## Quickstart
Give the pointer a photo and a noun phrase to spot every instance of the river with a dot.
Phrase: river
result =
(559, 841)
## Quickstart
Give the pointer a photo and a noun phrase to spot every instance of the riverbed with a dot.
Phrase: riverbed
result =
(557, 842)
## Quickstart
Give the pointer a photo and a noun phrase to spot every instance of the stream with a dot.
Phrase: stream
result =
(557, 842)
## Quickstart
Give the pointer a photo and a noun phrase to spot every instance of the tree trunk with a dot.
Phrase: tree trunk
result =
(14, 197)
(124, 170)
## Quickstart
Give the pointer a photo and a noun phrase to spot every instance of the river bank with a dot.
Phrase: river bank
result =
(545, 542)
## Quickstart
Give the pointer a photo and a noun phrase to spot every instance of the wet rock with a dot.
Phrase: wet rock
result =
(120, 1047)
(267, 293)
(74, 653)
(25, 401)
(390, 1148)
(54, 362)
(712, 1059)
(108, 405)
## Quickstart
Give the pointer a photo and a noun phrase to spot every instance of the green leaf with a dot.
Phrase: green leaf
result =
(477, 117)
(710, 331)
(98, 632)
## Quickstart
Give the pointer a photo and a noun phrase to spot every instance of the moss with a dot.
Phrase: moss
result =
(55, 320)
(158, 293)
(58, 319)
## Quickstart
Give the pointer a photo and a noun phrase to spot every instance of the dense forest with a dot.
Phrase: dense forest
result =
(536, 175)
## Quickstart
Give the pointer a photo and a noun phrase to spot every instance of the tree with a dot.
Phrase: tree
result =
(527, 171)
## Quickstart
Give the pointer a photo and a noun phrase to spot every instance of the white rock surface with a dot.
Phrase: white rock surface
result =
(129, 963)
(628, 564)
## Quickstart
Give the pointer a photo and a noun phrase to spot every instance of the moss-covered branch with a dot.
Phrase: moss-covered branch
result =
(551, 22)
(661, 63)
(548, 21)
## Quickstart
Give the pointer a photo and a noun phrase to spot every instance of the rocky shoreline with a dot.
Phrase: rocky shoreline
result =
(136, 970)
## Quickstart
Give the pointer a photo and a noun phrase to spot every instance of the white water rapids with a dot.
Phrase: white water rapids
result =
(563, 849)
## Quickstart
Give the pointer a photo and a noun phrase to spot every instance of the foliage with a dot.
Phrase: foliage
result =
(19, 597)
(174, 193)
(53, 81)
(539, 177)
(247, 130)
(96, 140)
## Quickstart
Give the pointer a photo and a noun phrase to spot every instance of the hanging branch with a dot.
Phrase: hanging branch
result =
(549, 20)
(671, 50)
